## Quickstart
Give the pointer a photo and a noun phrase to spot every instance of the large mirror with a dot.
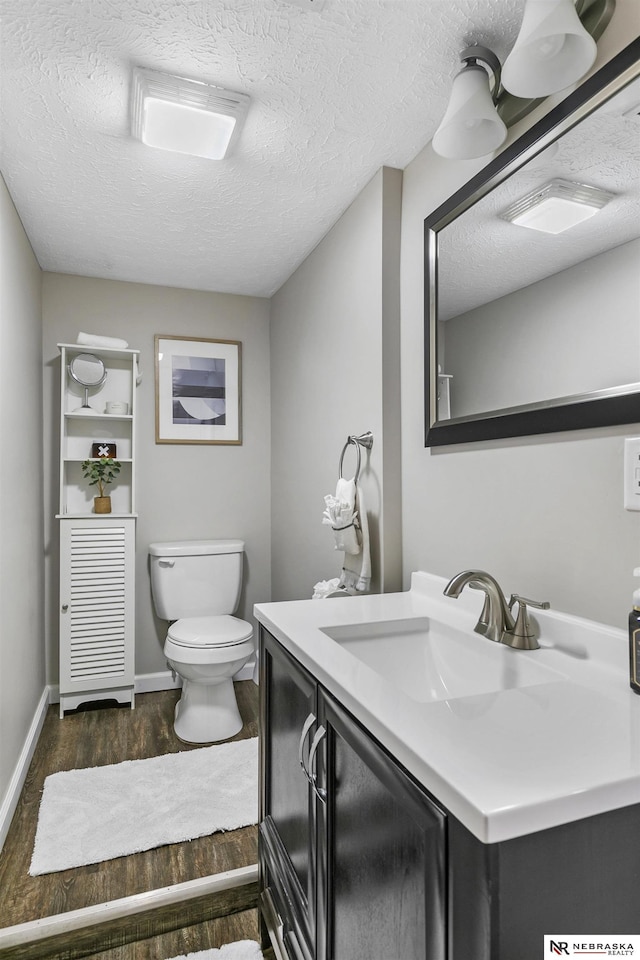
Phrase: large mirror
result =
(529, 331)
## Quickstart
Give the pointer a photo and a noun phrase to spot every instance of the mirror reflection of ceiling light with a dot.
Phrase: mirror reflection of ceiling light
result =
(185, 116)
(557, 206)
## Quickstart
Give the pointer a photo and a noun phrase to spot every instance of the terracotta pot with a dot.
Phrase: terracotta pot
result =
(102, 504)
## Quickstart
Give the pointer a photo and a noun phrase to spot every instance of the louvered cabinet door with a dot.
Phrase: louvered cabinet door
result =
(97, 563)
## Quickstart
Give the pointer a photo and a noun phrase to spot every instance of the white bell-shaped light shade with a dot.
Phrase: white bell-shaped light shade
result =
(471, 126)
(552, 51)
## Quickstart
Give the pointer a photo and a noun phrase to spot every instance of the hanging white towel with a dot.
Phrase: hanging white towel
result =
(356, 570)
(340, 514)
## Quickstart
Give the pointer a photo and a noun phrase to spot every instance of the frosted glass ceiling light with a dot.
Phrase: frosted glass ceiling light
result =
(185, 116)
(552, 51)
(557, 206)
(471, 126)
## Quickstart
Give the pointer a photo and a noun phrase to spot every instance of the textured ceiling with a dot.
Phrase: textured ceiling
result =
(336, 93)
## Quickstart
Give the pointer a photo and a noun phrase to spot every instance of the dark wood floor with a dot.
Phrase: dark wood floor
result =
(202, 936)
(94, 738)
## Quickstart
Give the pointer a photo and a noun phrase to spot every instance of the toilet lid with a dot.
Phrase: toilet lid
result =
(210, 631)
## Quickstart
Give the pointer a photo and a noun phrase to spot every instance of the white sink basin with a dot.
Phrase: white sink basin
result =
(430, 660)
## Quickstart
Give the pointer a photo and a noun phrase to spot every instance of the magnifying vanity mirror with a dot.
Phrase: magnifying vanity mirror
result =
(88, 371)
(529, 331)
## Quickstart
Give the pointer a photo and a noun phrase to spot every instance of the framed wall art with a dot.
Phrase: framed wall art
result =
(198, 390)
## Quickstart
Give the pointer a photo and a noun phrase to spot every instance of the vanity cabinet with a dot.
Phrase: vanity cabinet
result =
(97, 551)
(351, 849)
(359, 862)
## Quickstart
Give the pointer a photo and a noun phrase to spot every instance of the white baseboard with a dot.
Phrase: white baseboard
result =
(152, 682)
(247, 671)
(11, 797)
(162, 680)
(144, 683)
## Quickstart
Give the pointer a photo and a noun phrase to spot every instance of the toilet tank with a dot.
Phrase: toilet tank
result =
(196, 578)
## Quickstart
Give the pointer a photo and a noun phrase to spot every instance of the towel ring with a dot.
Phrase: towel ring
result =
(344, 450)
(364, 440)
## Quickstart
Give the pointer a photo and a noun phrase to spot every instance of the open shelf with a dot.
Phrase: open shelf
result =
(98, 416)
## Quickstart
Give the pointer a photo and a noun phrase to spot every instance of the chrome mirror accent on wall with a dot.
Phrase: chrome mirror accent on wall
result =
(532, 298)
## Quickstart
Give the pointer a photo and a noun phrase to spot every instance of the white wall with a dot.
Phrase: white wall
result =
(22, 675)
(546, 340)
(335, 372)
(184, 491)
(543, 514)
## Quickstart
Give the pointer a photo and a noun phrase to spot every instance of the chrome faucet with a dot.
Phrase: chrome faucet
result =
(496, 621)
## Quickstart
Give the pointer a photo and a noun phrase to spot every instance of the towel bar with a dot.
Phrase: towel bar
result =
(364, 440)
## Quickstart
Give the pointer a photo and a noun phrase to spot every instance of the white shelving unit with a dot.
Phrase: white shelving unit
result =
(97, 551)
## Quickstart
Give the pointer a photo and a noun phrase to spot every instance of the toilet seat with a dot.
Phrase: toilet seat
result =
(209, 632)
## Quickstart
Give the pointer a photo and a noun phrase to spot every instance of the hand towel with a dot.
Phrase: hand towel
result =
(323, 588)
(94, 340)
(341, 516)
(356, 570)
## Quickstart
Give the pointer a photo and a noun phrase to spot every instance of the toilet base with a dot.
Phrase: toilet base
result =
(207, 712)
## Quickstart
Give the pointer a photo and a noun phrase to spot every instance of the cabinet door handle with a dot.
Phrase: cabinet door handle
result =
(320, 792)
(309, 722)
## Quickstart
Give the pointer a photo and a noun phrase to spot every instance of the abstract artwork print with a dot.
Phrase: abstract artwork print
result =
(198, 390)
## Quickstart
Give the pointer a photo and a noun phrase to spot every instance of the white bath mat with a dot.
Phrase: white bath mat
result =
(104, 812)
(240, 950)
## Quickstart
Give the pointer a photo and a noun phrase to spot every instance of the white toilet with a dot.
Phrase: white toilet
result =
(196, 584)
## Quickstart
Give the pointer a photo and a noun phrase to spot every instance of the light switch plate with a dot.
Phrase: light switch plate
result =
(632, 473)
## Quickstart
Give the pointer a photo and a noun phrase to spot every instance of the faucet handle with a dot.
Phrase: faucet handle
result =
(523, 631)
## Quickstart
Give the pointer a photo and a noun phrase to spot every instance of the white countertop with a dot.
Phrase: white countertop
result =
(505, 763)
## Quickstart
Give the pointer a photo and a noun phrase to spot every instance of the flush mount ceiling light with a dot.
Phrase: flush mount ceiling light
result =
(552, 51)
(557, 206)
(471, 126)
(185, 116)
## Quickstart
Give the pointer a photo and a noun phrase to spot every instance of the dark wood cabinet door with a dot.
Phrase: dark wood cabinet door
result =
(384, 845)
(288, 825)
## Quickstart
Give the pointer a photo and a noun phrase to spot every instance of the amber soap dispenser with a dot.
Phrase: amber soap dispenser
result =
(634, 639)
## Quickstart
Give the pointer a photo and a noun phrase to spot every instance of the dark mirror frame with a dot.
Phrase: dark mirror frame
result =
(597, 409)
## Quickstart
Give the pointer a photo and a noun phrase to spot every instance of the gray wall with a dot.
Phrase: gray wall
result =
(543, 514)
(335, 372)
(572, 332)
(22, 675)
(184, 491)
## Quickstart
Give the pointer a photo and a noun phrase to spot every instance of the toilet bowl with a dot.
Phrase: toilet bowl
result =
(206, 652)
(196, 586)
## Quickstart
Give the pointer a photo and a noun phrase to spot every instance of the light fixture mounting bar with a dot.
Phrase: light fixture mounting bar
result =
(475, 52)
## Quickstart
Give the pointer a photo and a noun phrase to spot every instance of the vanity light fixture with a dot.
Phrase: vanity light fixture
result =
(471, 126)
(185, 116)
(557, 206)
(552, 51)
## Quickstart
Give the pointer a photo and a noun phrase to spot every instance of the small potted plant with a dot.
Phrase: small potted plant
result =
(101, 473)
